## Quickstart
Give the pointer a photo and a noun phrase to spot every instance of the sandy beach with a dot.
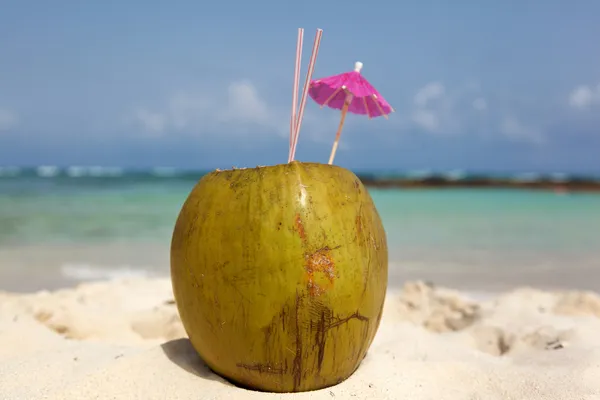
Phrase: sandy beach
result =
(124, 340)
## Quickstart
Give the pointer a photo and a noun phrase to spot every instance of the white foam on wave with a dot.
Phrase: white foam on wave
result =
(164, 171)
(95, 171)
(47, 171)
(10, 171)
(419, 174)
(98, 171)
(75, 171)
(88, 272)
(455, 175)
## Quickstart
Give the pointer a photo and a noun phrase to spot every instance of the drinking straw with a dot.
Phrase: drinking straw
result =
(311, 67)
(295, 89)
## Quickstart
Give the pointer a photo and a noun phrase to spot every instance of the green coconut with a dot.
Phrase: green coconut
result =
(280, 273)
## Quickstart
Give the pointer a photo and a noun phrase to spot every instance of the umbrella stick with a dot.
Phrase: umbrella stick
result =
(339, 133)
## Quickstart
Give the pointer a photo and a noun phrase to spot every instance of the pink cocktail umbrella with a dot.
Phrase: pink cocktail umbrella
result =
(349, 91)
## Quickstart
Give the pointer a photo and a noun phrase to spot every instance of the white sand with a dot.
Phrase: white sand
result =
(124, 340)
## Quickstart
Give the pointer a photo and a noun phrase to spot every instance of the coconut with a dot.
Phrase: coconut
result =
(279, 274)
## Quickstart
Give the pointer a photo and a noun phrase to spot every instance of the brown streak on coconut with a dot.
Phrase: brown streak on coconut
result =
(342, 321)
(325, 323)
(358, 222)
(297, 367)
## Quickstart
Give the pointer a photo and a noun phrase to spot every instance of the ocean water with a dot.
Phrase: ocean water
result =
(58, 227)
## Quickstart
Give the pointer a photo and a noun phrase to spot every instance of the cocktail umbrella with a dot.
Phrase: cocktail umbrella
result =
(349, 91)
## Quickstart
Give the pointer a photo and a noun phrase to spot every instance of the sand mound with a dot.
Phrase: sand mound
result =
(124, 340)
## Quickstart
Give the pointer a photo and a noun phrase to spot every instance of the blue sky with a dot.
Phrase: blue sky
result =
(481, 85)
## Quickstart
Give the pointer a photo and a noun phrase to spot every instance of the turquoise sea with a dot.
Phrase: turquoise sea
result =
(60, 226)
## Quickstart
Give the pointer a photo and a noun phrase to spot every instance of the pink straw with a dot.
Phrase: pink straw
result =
(311, 67)
(295, 90)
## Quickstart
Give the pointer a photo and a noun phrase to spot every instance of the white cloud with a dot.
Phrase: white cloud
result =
(8, 119)
(245, 104)
(426, 119)
(434, 109)
(461, 110)
(583, 96)
(238, 106)
(439, 110)
(480, 104)
(431, 91)
(514, 129)
(152, 122)
(184, 109)
(320, 125)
